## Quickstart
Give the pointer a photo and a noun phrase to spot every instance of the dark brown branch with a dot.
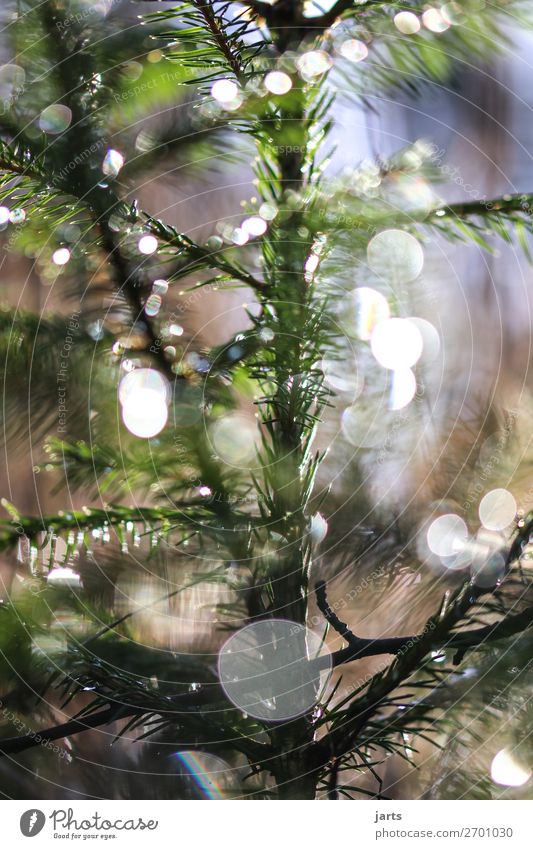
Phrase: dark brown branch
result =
(328, 18)
(507, 627)
(15, 745)
(359, 647)
(328, 614)
(285, 20)
(187, 701)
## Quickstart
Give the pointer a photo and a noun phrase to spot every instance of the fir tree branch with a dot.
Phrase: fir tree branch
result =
(215, 27)
(16, 745)
(194, 701)
(475, 638)
(346, 728)
(359, 647)
(199, 256)
(186, 513)
(473, 220)
(185, 701)
(213, 38)
(125, 282)
(506, 205)
(69, 66)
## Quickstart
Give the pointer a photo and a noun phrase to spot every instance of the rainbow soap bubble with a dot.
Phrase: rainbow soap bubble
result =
(55, 119)
(205, 776)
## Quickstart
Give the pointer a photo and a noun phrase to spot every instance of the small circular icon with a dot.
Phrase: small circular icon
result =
(32, 822)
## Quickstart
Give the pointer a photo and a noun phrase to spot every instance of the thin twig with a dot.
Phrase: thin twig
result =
(359, 647)
(127, 284)
(191, 701)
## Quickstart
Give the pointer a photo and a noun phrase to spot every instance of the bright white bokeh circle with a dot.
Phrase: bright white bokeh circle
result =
(224, 91)
(278, 82)
(354, 50)
(497, 509)
(254, 226)
(403, 388)
(61, 256)
(147, 245)
(407, 23)
(396, 343)
(506, 770)
(313, 63)
(144, 412)
(447, 535)
(143, 378)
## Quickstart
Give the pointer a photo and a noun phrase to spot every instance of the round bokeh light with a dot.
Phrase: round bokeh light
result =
(143, 378)
(506, 770)
(224, 91)
(235, 439)
(447, 535)
(403, 388)
(396, 343)
(395, 255)
(407, 23)
(147, 244)
(278, 82)
(144, 413)
(497, 510)
(266, 669)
